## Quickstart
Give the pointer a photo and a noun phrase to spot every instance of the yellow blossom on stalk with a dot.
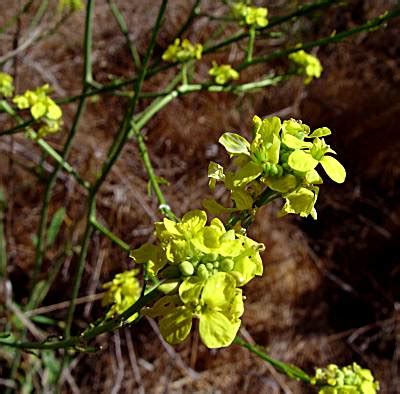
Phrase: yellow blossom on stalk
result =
(121, 293)
(249, 15)
(307, 65)
(182, 51)
(351, 379)
(6, 84)
(42, 108)
(70, 5)
(203, 267)
(280, 161)
(223, 73)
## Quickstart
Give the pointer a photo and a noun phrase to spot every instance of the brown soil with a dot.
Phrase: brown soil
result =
(330, 292)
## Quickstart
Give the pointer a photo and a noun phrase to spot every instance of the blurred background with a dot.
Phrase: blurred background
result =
(331, 289)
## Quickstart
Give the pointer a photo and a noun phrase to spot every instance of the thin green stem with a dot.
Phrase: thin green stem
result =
(184, 73)
(119, 18)
(289, 370)
(250, 46)
(14, 18)
(113, 156)
(144, 154)
(368, 26)
(82, 340)
(109, 234)
(61, 163)
(301, 11)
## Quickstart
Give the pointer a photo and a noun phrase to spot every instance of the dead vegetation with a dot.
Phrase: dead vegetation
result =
(331, 290)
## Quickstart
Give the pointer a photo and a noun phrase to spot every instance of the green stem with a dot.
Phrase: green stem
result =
(250, 46)
(301, 11)
(368, 26)
(61, 163)
(124, 30)
(109, 234)
(289, 370)
(14, 18)
(164, 207)
(113, 156)
(304, 10)
(184, 74)
(82, 339)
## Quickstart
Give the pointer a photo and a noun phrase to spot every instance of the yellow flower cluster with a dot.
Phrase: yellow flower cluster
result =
(42, 108)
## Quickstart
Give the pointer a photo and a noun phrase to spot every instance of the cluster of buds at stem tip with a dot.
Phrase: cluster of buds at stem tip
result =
(351, 379)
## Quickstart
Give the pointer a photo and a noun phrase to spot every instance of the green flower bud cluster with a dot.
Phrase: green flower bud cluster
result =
(351, 379)
(223, 73)
(42, 108)
(203, 267)
(182, 51)
(282, 156)
(307, 65)
(6, 85)
(249, 15)
(121, 293)
(70, 5)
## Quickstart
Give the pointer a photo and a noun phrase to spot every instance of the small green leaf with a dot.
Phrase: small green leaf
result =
(321, 132)
(294, 143)
(246, 174)
(242, 199)
(215, 173)
(215, 208)
(55, 226)
(281, 184)
(334, 169)
(301, 161)
(235, 144)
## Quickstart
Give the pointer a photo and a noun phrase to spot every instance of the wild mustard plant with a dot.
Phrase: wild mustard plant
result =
(182, 51)
(307, 65)
(351, 379)
(70, 5)
(249, 15)
(42, 108)
(122, 292)
(6, 85)
(197, 270)
(204, 267)
(282, 157)
(223, 73)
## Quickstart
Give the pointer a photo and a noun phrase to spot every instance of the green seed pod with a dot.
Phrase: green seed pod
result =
(202, 271)
(227, 265)
(210, 266)
(216, 264)
(186, 268)
(267, 168)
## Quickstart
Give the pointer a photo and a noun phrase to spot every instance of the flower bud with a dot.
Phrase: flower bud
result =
(186, 268)
(227, 265)
(202, 271)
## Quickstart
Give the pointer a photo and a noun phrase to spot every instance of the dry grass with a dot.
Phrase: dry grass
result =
(323, 280)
